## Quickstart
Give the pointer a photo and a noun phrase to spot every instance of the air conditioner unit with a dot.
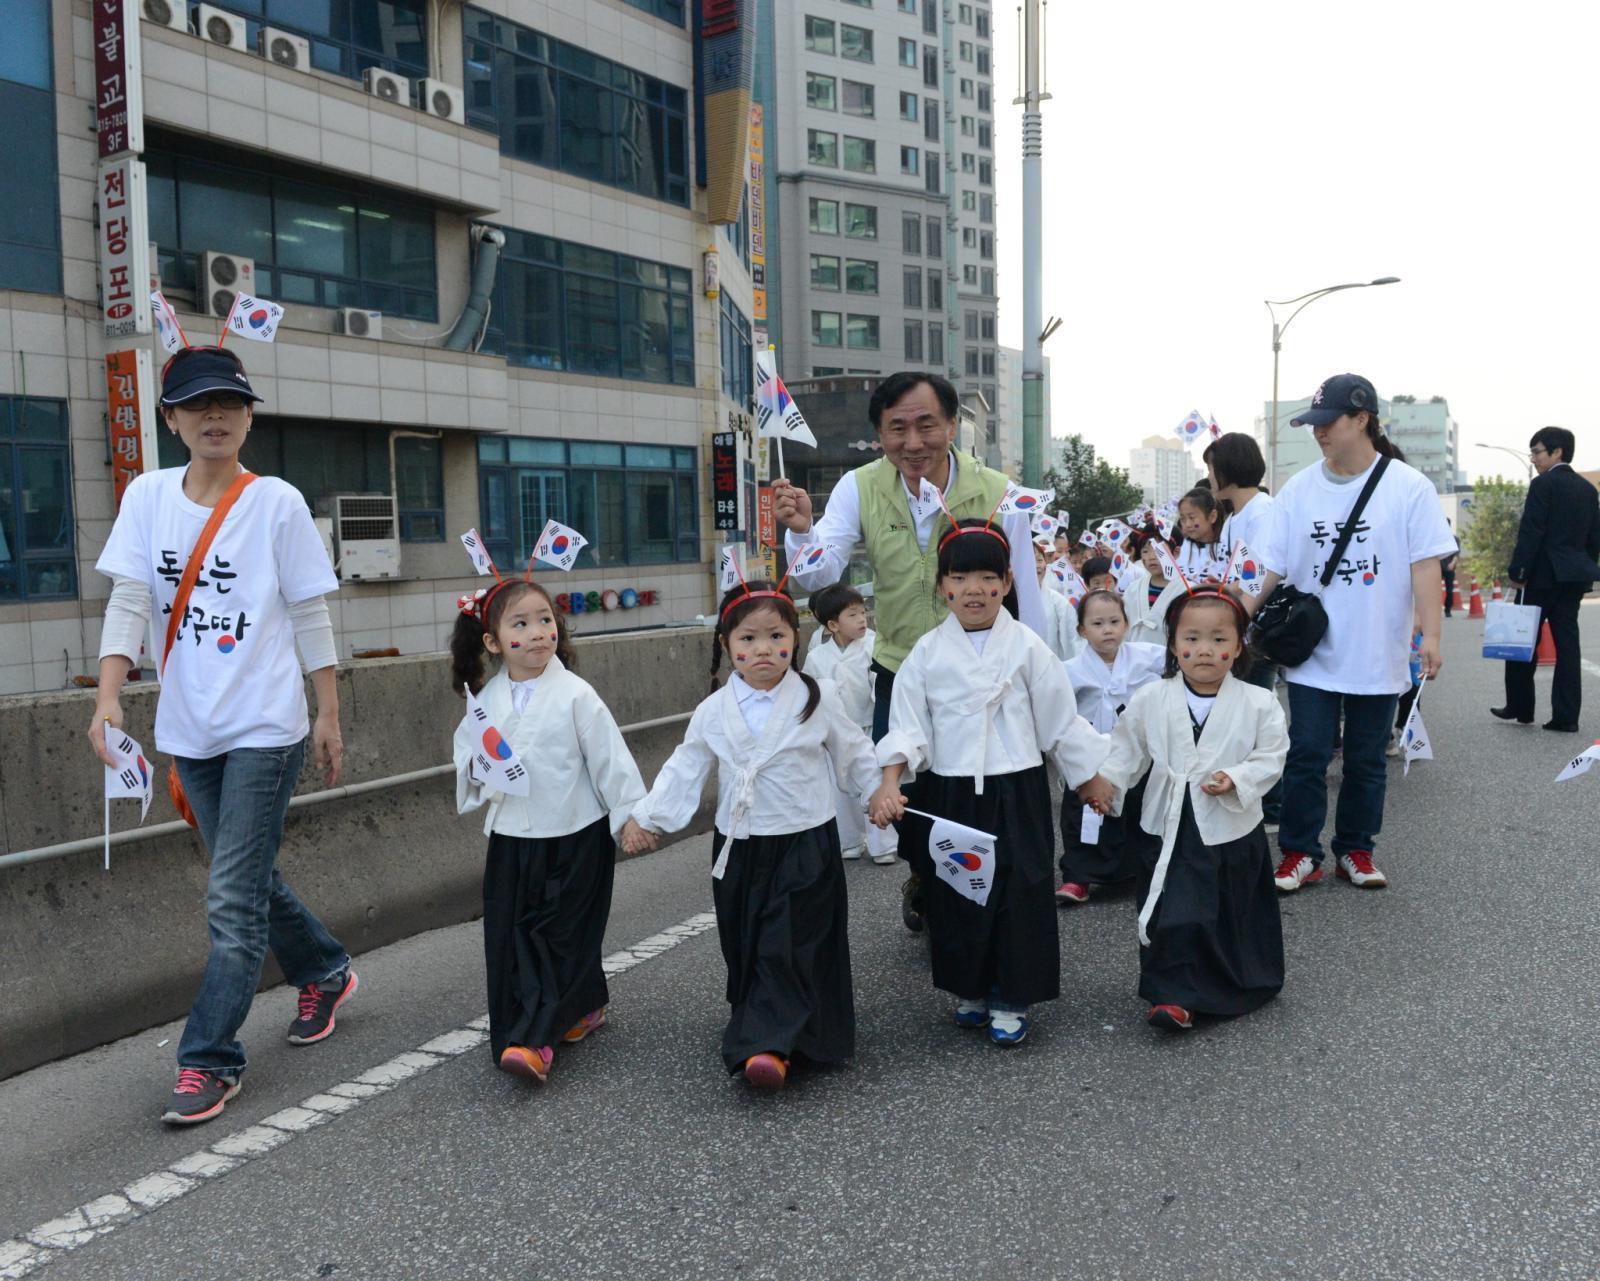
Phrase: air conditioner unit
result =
(366, 530)
(285, 49)
(386, 85)
(354, 322)
(218, 26)
(222, 276)
(166, 13)
(324, 526)
(442, 100)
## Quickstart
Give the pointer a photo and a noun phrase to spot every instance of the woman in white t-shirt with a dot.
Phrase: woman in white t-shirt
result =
(232, 712)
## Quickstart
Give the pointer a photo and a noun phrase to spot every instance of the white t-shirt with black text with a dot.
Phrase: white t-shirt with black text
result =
(233, 678)
(1256, 526)
(1367, 647)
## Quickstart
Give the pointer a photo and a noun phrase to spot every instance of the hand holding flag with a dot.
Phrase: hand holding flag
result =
(129, 777)
(1415, 744)
(776, 413)
(494, 761)
(559, 545)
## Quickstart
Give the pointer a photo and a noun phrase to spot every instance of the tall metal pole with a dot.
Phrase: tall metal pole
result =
(1033, 442)
(1272, 443)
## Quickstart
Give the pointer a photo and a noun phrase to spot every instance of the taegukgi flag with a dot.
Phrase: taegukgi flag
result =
(776, 413)
(558, 546)
(132, 774)
(1581, 763)
(730, 568)
(254, 318)
(964, 859)
(1246, 570)
(1026, 501)
(1088, 539)
(494, 761)
(1045, 523)
(1415, 744)
(1191, 428)
(478, 553)
(168, 330)
(1169, 566)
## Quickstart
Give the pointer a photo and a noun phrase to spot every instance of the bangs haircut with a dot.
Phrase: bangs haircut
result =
(736, 606)
(1215, 600)
(976, 548)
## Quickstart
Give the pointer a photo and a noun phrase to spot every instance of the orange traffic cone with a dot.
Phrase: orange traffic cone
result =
(1476, 608)
(1456, 603)
(1545, 655)
(1495, 594)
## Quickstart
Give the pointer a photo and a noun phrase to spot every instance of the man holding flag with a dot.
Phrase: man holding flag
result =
(884, 505)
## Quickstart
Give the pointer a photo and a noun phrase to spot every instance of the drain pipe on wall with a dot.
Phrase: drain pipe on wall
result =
(485, 265)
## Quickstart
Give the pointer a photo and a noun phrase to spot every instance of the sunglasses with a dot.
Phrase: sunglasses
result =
(226, 401)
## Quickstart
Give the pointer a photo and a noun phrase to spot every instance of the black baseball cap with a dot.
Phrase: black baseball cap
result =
(197, 371)
(1339, 395)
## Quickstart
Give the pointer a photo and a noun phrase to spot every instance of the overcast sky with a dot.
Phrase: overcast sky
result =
(1201, 158)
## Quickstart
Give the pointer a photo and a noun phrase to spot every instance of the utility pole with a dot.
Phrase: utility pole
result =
(1033, 442)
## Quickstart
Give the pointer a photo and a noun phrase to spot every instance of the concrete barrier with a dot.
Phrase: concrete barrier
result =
(87, 956)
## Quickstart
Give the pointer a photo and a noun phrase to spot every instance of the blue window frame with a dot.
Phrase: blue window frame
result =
(560, 106)
(559, 305)
(667, 10)
(738, 233)
(738, 362)
(313, 243)
(30, 224)
(38, 545)
(636, 504)
(347, 36)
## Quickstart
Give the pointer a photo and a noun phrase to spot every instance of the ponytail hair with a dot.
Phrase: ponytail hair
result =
(744, 600)
(1380, 439)
(1211, 507)
(469, 658)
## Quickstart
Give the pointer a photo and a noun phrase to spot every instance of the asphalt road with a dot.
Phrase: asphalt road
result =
(1420, 1102)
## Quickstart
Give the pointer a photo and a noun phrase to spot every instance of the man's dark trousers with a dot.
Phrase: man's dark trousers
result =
(1558, 606)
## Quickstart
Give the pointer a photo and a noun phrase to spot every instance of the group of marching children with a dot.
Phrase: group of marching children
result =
(1134, 702)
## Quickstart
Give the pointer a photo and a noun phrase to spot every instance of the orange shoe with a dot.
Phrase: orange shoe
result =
(519, 1060)
(590, 1022)
(766, 1071)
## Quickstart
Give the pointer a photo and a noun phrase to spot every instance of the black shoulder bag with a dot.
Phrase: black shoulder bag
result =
(1292, 623)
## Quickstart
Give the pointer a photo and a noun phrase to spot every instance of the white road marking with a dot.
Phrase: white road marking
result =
(40, 1246)
(1592, 667)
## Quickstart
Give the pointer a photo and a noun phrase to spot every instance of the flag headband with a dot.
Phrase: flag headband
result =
(750, 595)
(984, 528)
(1211, 593)
(476, 604)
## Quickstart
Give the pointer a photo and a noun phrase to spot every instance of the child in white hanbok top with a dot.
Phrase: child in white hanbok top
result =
(979, 704)
(548, 874)
(1148, 592)
(841, 658)
(1098, 850)
(1203, 556)
(777, 746)
(1060, 618)
(1211, 938)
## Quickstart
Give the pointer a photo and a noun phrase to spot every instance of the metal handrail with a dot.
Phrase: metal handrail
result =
(177, 828)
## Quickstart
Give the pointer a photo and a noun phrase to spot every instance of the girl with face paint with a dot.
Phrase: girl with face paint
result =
(1212, 746)
(552, 848)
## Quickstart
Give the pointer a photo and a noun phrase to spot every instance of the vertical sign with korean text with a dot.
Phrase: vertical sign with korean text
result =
(725, 68)
(118, 77)
(124, 233)
(725, 480)
(766, 519)
(130, 416)
(758, 226)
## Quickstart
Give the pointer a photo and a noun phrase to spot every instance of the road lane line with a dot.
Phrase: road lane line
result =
(1592, 667)
(40, 1246)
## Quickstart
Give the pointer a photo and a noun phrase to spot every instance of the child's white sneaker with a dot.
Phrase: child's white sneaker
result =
(885, 857)
(855, 852)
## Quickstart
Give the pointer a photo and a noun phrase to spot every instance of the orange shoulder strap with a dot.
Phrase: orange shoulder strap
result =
(197, 558)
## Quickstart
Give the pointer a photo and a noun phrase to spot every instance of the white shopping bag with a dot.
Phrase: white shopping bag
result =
(1510, 631)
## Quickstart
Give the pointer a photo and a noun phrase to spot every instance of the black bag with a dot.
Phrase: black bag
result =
(1292, 623)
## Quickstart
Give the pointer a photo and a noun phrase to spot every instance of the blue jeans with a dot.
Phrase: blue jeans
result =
(239, 800)
(1264, 675)
(1313, 723)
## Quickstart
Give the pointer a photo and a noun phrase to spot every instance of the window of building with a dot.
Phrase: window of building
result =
(855, 43)
(911, 233)
(913, 340)
(968, 127)
(908, 52)
(930, 66)
(964, 50)
(986, 326)
(986, 364)
(906, 6)
(986, 282)
(983, 62)
(935, 289)
(37, 540)
(860, 155)
(822, 92)
(559, 305)
(819, 35)
(738, 367)
(981, 22)
(314, 243)
(908, 106)
(861, 221)
(986, 244)
(965, 87)
(969, 275)
(930, 17)
(935, 238)
(930, 120)
(932, 175)
(556, 105)
(970, 321)
(667, 10)
(972, 364)
(30, 227)
(826, 371)
(986, 171)
(825, 216)
(969, 162)
(825, 329)
(985, 99)
(964, 14)
(969, 237)
(861, 332)
(859, 99)
(419, 488)
(860, 4)
(986, 136)
(935, 342)
(985, 207)
(738, 232)
(822, 148)
(910, 160)
(860, 276)
(347, 38)
(824, 271)
(636, 504)
(911, 286)
(969, 200)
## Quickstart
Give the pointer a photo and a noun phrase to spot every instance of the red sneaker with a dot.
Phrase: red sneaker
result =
(1172, 1018)
(766, 1071)
(1357, 868)
(1294, 870)
(519, 1060)
(1072, 892)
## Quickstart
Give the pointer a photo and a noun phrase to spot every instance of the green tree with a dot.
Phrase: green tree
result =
(1087, 487)
(1489, 528)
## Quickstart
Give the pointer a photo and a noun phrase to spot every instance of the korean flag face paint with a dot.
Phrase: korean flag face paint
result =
(975, 597)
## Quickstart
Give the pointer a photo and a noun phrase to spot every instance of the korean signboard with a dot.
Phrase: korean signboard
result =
(725, 480)
(758, 225)
(118, 77)
(130, 416)
(124, 248)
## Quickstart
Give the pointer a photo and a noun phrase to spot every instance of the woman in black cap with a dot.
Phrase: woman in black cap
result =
(240, 573)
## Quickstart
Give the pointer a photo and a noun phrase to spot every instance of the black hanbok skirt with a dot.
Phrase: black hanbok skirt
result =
(783, 920)
(1124, 851)
(545, 905)
(1216, 941)
(1007, 950)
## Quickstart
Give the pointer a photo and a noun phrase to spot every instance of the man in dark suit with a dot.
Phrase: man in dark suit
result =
(1554, 565)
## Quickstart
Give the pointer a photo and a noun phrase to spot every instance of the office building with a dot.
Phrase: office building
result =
(1164, 468)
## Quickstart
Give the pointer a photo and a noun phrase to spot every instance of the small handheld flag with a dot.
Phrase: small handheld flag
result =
(129, 777)
(1213, 430)
(1121, 566)
(1163, 526)
(477, 552)
(1415, 744)
(1581, 763)
(558, 546)
(962, 856)
(494, 761)
(1113, 531)
(253, 318)
(776, 413)
(1169, 566)
(168, 330)
(1088, 539)
(1191, 429)
(730, 570)
(1244, 569)
(1018, 499)
(1046, 524)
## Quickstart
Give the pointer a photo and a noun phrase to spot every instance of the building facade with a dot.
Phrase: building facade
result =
(1163, 468)
(358, 162)
(883, 193)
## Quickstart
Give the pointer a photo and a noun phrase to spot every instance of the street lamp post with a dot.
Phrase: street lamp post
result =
(1515, 453)
(1305, 300)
